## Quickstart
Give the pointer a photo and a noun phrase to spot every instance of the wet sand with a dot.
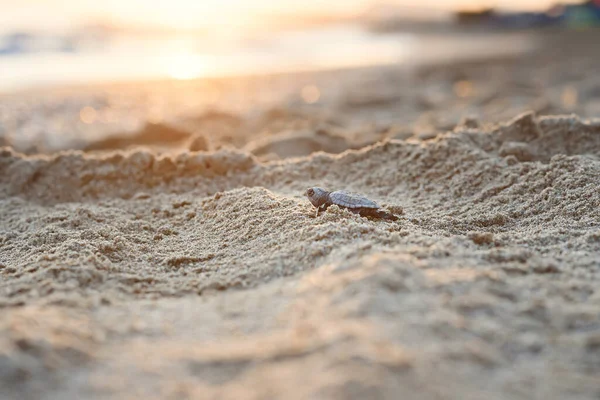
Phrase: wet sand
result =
(154, 241)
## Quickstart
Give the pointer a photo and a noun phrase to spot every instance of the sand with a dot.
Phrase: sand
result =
(164, 250)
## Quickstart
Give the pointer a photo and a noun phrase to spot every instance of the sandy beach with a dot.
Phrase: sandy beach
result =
(155, 241)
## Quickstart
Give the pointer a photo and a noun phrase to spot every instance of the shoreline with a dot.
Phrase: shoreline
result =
(440, 49)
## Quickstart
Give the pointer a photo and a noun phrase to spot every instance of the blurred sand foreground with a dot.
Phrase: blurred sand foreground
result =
(164, 273)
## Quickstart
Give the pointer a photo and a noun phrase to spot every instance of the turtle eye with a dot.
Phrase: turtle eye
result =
(310, 192)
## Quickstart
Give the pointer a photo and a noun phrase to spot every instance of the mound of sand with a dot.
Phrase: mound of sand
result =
(300, 143)
(150, 135)
(206, 275)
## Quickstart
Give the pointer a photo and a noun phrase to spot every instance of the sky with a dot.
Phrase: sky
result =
(187, 14)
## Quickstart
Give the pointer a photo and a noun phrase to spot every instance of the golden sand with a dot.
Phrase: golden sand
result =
(161, 272)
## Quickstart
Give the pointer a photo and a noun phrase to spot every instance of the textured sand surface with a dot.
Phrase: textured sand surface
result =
(165, 273)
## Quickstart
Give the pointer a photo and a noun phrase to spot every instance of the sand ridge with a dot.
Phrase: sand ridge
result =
(487, 283)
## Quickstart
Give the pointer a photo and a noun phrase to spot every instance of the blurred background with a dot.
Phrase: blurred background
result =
(46, 42)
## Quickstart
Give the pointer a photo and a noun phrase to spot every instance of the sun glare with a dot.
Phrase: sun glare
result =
(185, 66)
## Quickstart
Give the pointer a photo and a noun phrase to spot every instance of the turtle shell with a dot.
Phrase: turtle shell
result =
(351, 200)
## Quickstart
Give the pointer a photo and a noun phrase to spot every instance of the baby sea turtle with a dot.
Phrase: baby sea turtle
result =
(358, 204)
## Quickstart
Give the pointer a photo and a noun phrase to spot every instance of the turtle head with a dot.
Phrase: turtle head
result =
(317, 196)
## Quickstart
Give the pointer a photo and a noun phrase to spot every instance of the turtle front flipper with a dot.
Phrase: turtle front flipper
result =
(322, 207)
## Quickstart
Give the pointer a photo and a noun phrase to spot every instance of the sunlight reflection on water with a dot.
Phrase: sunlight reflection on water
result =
(132, 58)
(185, 66)
(188, 57)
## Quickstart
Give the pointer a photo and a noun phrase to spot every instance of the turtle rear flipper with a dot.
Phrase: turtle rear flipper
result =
(378, 214)
(386, 215)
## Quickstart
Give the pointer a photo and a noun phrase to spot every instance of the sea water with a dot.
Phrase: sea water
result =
(29, 61)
